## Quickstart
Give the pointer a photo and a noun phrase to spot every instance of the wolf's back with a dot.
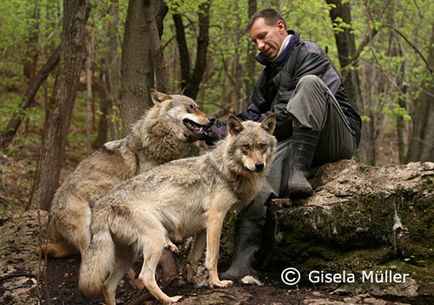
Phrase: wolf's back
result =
(98, 260)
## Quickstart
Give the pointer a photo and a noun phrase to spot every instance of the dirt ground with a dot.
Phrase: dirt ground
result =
(60, 286)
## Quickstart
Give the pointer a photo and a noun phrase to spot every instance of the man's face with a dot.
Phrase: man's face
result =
(268, 38)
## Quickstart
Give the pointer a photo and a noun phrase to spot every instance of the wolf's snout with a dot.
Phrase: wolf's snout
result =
(259, 166)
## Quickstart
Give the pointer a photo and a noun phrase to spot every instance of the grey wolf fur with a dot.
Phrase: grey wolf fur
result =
(176, 200)
(163, 134)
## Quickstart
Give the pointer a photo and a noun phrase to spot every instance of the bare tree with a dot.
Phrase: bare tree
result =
(59, 109)
(106, 103)
(114, 67)
(108, 82)
(347, 53)
(136, 67)
(184, 55)
(235, 106)
(90, 108)
(250, 78)
(422, 142)
(395, 50)
(152, 11)
(142, 62)
(191, 81)
(30, 64)
(9, 133)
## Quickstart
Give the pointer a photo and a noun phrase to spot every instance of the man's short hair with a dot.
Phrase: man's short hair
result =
(270, 15)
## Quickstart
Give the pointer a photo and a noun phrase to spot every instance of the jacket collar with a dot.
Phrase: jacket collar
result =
(262, 59)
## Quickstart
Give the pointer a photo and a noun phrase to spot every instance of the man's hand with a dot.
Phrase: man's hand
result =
(215, 131)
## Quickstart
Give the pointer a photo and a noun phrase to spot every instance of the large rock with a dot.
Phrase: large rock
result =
(362, 218)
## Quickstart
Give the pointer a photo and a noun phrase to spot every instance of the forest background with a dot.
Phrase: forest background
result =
(75, 74)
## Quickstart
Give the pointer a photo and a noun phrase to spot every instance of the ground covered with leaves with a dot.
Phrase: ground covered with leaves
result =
(60, 286)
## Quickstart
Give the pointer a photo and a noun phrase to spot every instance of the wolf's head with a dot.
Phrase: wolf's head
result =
(252, 144)
(181, 114)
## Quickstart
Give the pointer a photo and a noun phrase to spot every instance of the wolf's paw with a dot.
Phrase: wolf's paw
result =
(219, 283)
(174, 299)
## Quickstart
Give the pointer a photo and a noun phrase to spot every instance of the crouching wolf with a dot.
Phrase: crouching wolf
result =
(163, 134)
(177, 199)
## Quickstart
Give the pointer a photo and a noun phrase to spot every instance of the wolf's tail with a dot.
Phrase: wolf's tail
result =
(97, 261)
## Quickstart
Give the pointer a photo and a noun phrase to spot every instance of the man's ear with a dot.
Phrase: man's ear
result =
(269, 123)
(281, 25)
(234, 125)
(158, 97)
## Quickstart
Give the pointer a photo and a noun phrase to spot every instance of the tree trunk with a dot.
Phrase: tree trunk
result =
(422, 141)
(162, 10)
(250, 78)
(108, 85)
(201, 51)
(395, 50)
(31, 61)
(9, 133)
(160, 69)
(184, 57)
(59, 110)
(112, 62)
(346, 45)
(89, 92)
(106, 103)
(136, 66)
(236, 67)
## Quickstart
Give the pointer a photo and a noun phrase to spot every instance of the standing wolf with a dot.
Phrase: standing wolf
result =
(163, 134)
(177, 199)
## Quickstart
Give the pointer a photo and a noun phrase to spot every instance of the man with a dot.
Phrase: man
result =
(315, 122)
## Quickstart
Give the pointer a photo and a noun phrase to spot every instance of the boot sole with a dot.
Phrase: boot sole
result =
(298, 193)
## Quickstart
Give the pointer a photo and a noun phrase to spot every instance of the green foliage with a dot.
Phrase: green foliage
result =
(365, 119)
(14, 24)
(393, 75)
(312, 20)
(8, 108)
(339, 25)
(183, 7)
(397, 111)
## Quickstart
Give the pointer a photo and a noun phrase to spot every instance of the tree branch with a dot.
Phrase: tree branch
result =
(412, 46)
(9, 133)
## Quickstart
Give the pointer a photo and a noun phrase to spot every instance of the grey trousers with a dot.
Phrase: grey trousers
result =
(314, 107)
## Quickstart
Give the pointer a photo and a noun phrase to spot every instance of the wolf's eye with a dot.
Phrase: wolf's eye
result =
(191, 107)
(246, 147)
(262, 146)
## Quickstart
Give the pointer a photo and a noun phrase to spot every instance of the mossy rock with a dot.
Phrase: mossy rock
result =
(361, 218)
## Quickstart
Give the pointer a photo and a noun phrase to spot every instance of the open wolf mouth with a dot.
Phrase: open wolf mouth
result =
(197, 129)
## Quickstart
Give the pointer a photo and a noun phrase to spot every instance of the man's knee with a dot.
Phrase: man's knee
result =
(308, 106)
(310, 81)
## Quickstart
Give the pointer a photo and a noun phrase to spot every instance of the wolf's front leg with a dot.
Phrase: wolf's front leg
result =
(214, 229)
(195, 254)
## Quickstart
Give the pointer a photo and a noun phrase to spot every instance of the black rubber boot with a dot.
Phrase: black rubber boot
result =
(248, 235)
(302, 149)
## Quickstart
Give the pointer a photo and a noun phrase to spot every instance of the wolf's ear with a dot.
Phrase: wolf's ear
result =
(158, 97)
(269, 123)
(234, 125)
